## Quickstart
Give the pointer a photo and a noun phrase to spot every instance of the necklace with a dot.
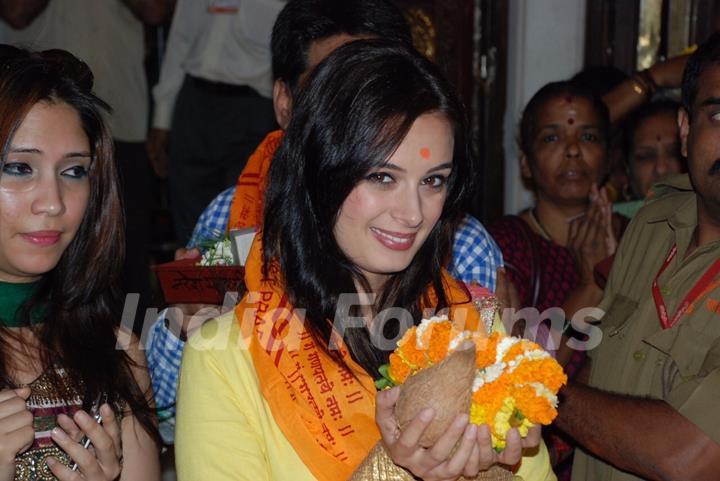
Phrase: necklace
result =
(538, 225)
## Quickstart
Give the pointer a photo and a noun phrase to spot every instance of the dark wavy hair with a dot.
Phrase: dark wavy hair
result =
(81, 296)
(302, 22)
(355, 110)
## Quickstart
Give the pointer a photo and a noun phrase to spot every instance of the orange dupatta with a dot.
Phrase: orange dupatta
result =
(327, 412)
(247, 205)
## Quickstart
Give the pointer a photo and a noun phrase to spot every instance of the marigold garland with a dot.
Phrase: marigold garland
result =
(516, 381)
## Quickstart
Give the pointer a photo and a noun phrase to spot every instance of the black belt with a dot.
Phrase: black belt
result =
(220, 88)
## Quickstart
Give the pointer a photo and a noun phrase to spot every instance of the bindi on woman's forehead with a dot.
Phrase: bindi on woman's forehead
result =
(569, 99)
(425, 153)
(658, 138)
(570, 121)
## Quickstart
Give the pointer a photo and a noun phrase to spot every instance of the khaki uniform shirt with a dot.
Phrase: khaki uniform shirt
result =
(680, 365)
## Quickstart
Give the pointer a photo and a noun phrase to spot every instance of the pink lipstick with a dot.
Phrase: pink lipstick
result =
(42, 238)
(397, 241)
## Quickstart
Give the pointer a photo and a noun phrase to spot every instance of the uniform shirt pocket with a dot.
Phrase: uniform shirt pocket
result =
(618, 316)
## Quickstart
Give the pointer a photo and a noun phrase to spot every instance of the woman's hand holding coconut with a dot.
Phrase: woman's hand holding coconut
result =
(441, 461)
(440, 373)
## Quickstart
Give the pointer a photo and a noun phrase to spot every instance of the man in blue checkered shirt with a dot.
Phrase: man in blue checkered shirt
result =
(476, 257)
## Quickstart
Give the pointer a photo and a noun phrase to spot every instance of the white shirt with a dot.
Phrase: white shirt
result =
(218, 40)
(110, 39)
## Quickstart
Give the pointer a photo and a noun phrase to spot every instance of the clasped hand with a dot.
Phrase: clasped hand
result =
(102, 460)
(591, 237)
(474, 452)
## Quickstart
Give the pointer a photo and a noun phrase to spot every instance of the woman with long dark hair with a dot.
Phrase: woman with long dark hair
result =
(75, 391)
(363, 198)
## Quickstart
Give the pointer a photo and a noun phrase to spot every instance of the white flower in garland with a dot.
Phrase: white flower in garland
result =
(220, 254)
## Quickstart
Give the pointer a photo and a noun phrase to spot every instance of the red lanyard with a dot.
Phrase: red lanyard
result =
(692, 296)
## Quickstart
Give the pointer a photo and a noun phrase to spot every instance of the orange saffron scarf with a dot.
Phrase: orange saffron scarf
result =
(326, 411)
(247, 205)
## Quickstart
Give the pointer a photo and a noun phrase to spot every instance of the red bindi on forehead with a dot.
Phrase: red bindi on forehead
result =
(569, 99)
(425, 153)
(571, 121)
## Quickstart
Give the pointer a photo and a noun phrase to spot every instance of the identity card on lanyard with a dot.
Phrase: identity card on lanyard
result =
(697, 290)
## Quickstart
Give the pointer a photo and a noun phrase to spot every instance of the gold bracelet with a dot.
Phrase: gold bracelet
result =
(644, 84)
(638, 88)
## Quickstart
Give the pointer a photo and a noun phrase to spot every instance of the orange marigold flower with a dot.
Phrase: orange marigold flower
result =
(523, 346)
(547, 371)
(439, 342)
(536, 408)
(408, 337)
(409, 352)
(399, 371)
(516, 391)
(486, 350)
(492, 393)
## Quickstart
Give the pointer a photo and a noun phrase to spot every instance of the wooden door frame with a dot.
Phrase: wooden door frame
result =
(612, 30)
(470, 45)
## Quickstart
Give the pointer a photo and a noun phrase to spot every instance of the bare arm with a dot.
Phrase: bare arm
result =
(633, 434)
(140, 452)
(152, 12)
(628, 95)
(20, 13)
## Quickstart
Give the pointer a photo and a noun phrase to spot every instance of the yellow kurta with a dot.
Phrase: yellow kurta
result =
(225, 429)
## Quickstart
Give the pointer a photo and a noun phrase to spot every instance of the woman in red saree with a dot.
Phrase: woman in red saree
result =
(551, 250)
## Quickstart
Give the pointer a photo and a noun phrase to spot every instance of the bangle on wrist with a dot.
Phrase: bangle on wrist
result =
(644, 84)
(638, 87)
(649, 80)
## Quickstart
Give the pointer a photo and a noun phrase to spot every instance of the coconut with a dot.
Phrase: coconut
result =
(446, 387)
